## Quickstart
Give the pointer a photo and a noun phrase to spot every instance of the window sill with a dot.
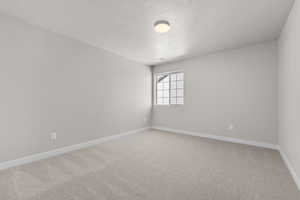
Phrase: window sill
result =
(169, 105)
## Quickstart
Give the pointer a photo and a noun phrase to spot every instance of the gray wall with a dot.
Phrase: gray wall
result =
(236, 87)
(52, 83)
(289, 88)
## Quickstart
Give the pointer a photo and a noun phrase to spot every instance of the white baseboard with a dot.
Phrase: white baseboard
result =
(56, 152)
(239, 141)
(63, 150)
(290, 167)
(220, 138)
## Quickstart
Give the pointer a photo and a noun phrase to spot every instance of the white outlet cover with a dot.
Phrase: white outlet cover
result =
(53, 136)
(231, 127)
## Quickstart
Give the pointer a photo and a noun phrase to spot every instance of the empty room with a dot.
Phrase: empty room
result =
(149, 100)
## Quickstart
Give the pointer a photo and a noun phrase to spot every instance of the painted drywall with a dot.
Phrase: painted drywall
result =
(50, 83)
(235, 87)
(289, 89)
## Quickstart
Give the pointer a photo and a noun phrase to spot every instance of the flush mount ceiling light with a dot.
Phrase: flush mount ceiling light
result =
(162, 26)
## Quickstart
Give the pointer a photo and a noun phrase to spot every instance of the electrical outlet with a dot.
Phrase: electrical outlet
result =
(231, 127)
(53, 136)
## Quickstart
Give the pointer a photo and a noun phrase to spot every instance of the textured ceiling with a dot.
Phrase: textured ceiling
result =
(125, 27)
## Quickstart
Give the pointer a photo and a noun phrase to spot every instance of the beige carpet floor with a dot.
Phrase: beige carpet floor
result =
(154, 165)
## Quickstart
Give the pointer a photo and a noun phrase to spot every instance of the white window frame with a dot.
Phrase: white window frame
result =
(155, 88)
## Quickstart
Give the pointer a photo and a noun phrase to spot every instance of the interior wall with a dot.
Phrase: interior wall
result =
(234, 89)
(289, 89)
(51, 83)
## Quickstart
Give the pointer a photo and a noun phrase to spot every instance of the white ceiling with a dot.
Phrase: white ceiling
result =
(125, 27)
